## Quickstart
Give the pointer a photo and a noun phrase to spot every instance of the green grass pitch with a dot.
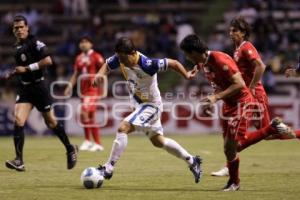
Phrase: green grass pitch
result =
(269, 170)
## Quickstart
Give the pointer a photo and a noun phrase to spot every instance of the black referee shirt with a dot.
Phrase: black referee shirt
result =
(29, 51)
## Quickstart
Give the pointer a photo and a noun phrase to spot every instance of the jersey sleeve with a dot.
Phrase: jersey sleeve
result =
(249, 52)
(41, 49)
(113, 62)
(152, 66)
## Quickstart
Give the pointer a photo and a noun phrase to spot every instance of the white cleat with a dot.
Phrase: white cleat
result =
(231, 187)
(86, 145)
(96, 147)
(282, 128)
(222, 172)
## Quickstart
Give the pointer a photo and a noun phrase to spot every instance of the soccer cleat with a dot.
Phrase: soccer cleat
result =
(196, 168)
(96, 147)
(86, 145)
(104, 173)
(222, 172)
(231, 187)
(72, 157)
(15, 164)
(282, 128)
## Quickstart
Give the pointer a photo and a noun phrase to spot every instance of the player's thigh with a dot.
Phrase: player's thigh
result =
(50, 118)
(21, 113)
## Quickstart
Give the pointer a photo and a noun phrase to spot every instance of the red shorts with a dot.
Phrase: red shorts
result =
(263, 111)
(236, 119)
(88, 104)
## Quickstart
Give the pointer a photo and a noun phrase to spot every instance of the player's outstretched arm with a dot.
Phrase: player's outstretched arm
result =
(291, 72)
(178, 67)
(103, 71)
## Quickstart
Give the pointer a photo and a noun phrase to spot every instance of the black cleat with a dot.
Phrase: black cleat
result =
(15, 164)
(196, 168)
(72, 157)
(104, 173)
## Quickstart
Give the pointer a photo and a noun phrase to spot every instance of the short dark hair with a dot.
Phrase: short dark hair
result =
(124, 45)
(86, 37)
(193, 43)
(242, 25)
(19, 18)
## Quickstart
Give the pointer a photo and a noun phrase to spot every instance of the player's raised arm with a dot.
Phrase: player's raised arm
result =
(178, 67)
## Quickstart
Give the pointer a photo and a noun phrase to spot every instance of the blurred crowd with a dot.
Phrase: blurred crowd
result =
(155, 33)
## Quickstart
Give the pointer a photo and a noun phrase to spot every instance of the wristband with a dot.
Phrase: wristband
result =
(34, 66)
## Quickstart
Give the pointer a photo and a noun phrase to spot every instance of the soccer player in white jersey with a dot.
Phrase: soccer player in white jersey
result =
(140, 73)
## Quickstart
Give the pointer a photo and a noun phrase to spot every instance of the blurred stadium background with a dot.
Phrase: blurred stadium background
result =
(157, 27)
(270, 170)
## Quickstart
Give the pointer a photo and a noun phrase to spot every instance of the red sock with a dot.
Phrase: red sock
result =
(87, 130)
(96, 137)
(233, 167)
(254, 137)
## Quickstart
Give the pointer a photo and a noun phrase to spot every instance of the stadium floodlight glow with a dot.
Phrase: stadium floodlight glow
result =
(69, 108)
(104, 113)
(52, 93)
(182, 104)
(90, 77)
(116, 86)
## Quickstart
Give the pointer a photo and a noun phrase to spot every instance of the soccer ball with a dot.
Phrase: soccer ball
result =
(91, 178)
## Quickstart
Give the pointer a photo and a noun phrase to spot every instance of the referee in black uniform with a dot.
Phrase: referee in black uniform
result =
(31, 58)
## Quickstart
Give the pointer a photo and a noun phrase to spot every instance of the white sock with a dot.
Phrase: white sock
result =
(172, 147)
(117, 149)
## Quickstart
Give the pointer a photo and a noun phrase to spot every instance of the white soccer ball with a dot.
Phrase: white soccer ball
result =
(91, 178)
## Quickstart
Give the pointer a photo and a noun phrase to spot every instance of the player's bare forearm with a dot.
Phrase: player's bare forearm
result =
(236, 86)
(258, 73)
(103, 71)
(178, 67)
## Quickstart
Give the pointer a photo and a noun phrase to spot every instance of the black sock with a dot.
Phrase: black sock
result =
(19, 141)
(61, 134)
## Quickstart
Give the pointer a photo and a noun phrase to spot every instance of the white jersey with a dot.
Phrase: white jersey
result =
(141, 78)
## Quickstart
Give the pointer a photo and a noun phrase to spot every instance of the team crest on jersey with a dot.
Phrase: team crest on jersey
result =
(23, 57)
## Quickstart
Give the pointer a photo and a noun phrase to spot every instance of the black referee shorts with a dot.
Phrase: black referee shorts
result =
(37, 94)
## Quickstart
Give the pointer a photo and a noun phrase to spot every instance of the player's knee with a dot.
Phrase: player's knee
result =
(19, 121)
(157, 141)
(51, 123)
(84, 116)
(124, 127)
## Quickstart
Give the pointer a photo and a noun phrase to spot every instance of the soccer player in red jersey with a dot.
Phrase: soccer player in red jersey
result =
(87, 63)
(252, 68)
(226, 79)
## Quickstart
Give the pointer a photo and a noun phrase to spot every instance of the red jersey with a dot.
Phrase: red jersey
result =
(88, 64)
(243, 56)
(219, 69)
